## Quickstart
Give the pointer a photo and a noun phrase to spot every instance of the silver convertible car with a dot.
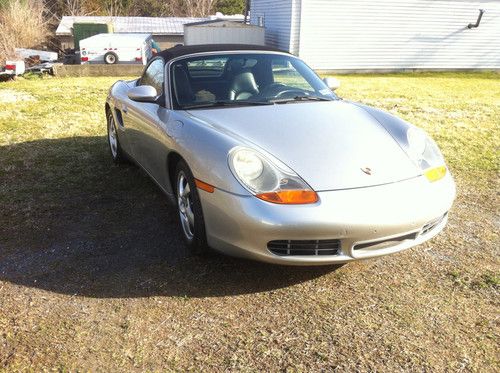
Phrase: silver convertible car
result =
(264, 161)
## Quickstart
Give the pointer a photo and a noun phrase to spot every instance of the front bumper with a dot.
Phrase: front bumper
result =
(368, 222)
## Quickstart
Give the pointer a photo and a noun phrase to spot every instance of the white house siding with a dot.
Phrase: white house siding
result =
(295, 26)
(277, 17)
(397, 34)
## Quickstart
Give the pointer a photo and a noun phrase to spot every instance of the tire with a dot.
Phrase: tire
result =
(114, 143)
(110, 58)
(189, 210)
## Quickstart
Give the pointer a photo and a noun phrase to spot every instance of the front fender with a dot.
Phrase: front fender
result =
(205, 149)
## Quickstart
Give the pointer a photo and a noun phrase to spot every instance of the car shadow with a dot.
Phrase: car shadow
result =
(72, 222)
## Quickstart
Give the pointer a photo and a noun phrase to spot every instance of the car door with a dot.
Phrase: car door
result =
(146, 136)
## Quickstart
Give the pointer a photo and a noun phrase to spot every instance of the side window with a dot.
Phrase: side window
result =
(285, 73)
(154, 76)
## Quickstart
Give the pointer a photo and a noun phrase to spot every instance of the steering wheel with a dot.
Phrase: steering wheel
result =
(291, 93)
(278, 90)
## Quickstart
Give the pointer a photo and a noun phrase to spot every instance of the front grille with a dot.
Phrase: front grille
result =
(432, 224)
(304, 247)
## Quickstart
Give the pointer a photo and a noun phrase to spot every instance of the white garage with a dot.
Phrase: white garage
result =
(384, 35)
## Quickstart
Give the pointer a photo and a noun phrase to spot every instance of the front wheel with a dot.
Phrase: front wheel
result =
(113, 142)
(190, 211)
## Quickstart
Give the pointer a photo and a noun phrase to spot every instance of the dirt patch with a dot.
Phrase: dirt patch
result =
(10, 96)
(94, 275)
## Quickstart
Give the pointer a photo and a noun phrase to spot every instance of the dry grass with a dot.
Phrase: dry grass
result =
(23, 24)
(93, 275)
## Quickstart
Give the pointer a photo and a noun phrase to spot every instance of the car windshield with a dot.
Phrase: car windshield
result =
(244, 79)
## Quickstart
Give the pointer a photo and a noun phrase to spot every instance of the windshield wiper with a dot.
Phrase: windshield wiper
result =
(222, 103)
(299, 98)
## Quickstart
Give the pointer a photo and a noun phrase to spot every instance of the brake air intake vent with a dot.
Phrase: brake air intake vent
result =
(432, 224)
(304, 247)
(383, 244)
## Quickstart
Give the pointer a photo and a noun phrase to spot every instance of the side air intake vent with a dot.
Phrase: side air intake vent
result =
(119, 117)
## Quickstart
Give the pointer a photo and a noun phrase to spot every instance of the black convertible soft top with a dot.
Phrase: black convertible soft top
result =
(182, 50)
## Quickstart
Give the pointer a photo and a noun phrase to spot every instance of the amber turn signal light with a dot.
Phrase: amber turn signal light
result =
(290, 197)
(204, 186)
(436, 173)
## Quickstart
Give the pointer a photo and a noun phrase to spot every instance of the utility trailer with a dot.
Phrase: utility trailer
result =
(116, 48)
(220, 31)
(11, 69)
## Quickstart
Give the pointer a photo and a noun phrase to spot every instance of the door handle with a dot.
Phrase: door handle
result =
(125, 109)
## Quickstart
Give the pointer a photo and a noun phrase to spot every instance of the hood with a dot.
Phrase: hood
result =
(331, 145)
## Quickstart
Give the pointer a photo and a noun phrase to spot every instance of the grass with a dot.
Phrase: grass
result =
(94, 276)
(460, 111)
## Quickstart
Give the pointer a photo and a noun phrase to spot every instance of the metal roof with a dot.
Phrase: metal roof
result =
(149, 25)
(216, 22)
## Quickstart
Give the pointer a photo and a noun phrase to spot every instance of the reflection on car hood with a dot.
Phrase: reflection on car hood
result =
(331, 145)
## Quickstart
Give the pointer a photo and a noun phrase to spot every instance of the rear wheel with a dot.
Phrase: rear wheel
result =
(113, 142)
(190, 211)
(110, 58)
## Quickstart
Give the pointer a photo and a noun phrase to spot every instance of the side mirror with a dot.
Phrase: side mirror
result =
(332, 83)
(143, 93)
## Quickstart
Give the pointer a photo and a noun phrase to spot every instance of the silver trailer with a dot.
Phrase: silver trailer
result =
(223, 32)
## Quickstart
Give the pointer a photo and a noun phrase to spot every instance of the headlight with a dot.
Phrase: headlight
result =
(267, 181)
(425, 153)
(247, 165)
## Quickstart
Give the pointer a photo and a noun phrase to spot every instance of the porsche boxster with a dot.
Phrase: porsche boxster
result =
(265, 161)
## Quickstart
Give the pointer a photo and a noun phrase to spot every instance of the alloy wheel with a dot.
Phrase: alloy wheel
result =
(185, 205)
(113, 139)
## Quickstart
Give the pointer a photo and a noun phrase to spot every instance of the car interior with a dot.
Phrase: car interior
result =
(234, 78)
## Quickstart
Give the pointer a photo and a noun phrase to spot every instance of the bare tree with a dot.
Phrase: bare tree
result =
(75, 8)
(114, 8)
(193, 8)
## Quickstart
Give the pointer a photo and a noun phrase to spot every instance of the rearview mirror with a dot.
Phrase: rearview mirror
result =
(332, 83)
(143, 93)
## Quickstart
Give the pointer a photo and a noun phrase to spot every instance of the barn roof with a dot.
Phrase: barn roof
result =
(149, 25)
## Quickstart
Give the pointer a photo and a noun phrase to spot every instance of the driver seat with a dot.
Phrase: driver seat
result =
(182, 86)
(243, 86)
